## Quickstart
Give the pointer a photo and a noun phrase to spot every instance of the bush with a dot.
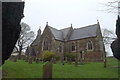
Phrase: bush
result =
(47, 55)
(57, 57)
(71, 56)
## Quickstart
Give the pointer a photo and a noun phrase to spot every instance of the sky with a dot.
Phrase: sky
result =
(62, 13)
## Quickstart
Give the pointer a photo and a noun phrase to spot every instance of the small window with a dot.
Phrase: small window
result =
(60, 48)
(46, 44)
(89, 45)
(73, 47)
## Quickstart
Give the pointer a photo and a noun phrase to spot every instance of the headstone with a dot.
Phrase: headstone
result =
(66, 59)
(76, 63)
(26, 59)
(81, 61)
(63, 63)
(51, 60)
(70, 61)
(30, 60)
(54, 61)
(37, 60)
(15, 59)
(47, 70)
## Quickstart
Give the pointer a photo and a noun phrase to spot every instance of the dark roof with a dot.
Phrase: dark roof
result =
(79, 33)
(85, 32)
(60, 34)
(65, 31)
(36, 41)
(57, 33)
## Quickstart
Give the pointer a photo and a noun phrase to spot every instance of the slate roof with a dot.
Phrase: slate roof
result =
(60, 34)
(65, 31)
(79, 33)
(85, 32)
(57, 33)
(36, 41)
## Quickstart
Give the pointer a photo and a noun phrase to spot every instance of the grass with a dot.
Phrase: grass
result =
(22, 69)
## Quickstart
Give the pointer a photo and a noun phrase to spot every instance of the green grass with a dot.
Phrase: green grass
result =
(21, 69)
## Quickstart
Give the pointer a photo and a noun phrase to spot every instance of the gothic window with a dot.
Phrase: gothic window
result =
(89, 45)
(45, 44)
(60, 48)
(73, 47)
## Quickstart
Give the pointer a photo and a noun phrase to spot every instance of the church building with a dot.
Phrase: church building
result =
(86, 42)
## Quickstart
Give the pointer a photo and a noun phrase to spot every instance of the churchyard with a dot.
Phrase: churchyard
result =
(22, 69)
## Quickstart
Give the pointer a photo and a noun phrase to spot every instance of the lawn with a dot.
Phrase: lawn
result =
(22, 69)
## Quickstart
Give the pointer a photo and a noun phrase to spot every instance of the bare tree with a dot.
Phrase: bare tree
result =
(112, 6)
(108, 36)
(25, 38)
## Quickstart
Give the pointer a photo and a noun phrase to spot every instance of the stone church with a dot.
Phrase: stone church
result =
(85, 42)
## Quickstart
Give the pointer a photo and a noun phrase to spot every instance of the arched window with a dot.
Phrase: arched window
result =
(46, 44)
(60, 47)
(73, 47)
(89, 45)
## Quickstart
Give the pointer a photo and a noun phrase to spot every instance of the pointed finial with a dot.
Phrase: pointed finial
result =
(118, 17)
(97, 21)
(39, 31)
(46, 23)
(71, 25)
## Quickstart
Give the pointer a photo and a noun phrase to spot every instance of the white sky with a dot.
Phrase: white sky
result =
(61, 13)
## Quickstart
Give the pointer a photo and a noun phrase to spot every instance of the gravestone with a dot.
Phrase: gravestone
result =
(53, 60)
(15, 59)
(66, 59)
(63, 63)
(70, 61)
(76, 62)
(30, 60)
(37, 60)
(27, 59)
(47, 70)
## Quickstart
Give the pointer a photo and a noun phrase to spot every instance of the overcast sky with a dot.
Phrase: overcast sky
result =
(61, 13)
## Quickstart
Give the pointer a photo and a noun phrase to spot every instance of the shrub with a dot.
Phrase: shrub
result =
(71, 56)
(57, 57)
(47, 55)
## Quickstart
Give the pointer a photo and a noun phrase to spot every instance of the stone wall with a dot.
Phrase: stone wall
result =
(81, 45)
(53, 44)
(89, 55)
